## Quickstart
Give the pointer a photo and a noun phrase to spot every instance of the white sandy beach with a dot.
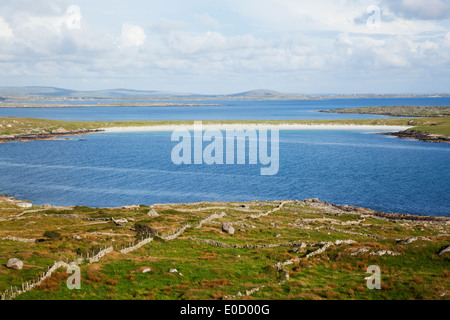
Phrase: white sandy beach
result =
(244, 126)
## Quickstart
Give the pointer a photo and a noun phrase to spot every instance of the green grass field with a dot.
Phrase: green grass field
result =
(244, 261)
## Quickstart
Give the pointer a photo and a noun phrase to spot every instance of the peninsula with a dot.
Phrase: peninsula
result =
(28, 129)
(434, 129)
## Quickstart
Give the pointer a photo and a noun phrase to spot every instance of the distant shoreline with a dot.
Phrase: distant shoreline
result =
(106, 105)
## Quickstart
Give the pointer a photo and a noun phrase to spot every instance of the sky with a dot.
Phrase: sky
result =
(228, 46)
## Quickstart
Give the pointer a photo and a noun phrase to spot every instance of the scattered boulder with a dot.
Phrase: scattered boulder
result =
(409, 240)
(15, 263)
(77, 237)
(118, 222)
(153, 213)
(227, 228)
(173, 270)
(147, 270)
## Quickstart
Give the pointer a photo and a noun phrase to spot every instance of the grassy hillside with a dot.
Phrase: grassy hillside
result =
(280, 250)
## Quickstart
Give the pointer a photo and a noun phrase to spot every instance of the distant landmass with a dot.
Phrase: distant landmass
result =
(53, 93)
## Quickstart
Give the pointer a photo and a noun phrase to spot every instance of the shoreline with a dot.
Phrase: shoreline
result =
(45, 136)
(106, 105)
(379, 129)
(244, 126)
(418, 135)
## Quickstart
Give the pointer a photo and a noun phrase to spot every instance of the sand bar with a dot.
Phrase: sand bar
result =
(244, 126)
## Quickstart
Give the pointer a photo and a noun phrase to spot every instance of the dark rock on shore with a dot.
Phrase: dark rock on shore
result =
(418, 135)
(45, 136)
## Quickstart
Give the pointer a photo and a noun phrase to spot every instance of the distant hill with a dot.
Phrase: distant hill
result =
(96, 94)
(34, 91)
(52, 93)
(268, 95)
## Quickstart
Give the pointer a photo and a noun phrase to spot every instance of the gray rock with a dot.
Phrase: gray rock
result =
(360, 250)
(410, 240)
(147, 270)
(15, 263)
(173, 270)
(447, 249)
(152, 213)
(227, 228)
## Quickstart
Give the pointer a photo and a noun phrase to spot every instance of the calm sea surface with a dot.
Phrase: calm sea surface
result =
(344, 167)
(229, 110)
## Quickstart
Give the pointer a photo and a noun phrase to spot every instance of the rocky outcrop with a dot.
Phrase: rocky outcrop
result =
(45, 135)
(418, 135)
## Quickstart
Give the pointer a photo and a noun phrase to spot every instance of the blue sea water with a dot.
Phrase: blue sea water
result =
(344, 167)
(114, 169)
(229, 110)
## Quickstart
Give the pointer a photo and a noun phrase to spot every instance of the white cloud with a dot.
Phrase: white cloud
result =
(420, 9)
(5, 30)
(132, 36)
(73, 17)
(266, 43)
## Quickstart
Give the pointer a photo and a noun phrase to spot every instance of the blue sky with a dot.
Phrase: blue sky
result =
(226, 46)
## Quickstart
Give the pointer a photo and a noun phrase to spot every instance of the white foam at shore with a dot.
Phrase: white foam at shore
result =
(245, 126)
